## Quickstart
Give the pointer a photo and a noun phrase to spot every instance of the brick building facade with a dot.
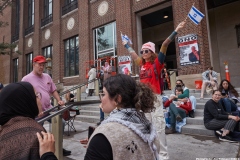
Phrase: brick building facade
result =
(74, 28)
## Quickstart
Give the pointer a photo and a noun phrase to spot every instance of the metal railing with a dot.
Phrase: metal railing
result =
(15, 37)
(46, 20)
(69, 7)
(29, 30)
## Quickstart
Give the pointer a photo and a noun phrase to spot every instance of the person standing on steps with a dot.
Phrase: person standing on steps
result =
(151, 65)
(92, 75)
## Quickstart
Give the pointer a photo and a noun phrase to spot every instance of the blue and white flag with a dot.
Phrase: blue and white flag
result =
(195, 15)
(125, 38)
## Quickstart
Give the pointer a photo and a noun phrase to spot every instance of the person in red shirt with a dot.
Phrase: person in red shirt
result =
(178, 109)
(151, 65)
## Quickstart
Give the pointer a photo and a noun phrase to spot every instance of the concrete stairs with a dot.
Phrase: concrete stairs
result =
(90, 113)
(195, 125)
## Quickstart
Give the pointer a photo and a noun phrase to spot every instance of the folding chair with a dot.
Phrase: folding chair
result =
(69, 121)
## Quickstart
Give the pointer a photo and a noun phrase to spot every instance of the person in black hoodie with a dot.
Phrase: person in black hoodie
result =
(215, 118)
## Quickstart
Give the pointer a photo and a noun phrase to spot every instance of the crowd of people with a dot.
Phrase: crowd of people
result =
(135, 108)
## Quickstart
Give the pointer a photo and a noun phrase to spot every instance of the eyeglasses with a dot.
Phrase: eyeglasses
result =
(144, 51)
(101, 95)
(178, 84)
(39, 95)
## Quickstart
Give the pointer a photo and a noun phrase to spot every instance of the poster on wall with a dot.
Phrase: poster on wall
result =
(124, 65)
(189, 50)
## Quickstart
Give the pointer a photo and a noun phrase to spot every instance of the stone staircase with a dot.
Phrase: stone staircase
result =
(90, 113)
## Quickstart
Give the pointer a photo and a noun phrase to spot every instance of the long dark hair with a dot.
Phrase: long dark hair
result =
(134, 95)
(230, 88)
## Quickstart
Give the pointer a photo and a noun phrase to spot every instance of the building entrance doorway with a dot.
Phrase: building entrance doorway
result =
(156, 27)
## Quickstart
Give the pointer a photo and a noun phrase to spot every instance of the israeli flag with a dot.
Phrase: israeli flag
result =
(125, 38)
(195, 15)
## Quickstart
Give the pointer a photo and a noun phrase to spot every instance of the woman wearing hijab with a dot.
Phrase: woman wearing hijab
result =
(19, 106)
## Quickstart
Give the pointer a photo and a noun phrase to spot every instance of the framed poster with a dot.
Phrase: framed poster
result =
(124, 65)
(189, 50)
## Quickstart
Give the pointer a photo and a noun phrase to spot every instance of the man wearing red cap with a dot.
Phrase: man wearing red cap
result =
(151, 65)
(43, 84)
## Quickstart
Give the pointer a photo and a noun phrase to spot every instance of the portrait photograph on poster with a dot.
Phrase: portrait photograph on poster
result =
(124, 65)
(189, 50)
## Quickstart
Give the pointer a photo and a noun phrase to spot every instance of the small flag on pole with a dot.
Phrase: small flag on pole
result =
(125, 38)
(195, 15)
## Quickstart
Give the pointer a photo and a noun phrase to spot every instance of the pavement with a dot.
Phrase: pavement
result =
(180, 146)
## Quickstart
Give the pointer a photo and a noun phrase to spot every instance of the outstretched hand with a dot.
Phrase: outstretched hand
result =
(84, 142)
(46, 143)
(180, 25)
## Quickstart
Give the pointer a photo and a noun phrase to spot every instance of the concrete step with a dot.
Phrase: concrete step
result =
(87, 118)
(90, 113)
(197, 130)
(200, 105)
(90, 107)
(196, 120)
(198, 113)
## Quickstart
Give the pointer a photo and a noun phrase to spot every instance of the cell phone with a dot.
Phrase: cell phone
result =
(90, 131)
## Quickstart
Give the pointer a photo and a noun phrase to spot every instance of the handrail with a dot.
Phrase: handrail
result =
(62, 110)
(55, 113)
(174, 71)
(78, 86)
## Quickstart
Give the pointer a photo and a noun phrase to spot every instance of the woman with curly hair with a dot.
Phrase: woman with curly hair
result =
(229, 96)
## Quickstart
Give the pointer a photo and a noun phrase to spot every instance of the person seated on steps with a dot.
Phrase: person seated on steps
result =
(215, 118)
(178, 109)
(179, 83)
(230, 97)
(209, 78)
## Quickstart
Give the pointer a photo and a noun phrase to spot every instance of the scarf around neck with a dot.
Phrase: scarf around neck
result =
(137, 122)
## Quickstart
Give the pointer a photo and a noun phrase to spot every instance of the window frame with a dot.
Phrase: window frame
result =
(67, 55)
(29, 64)
(31, 13)
(15, 70)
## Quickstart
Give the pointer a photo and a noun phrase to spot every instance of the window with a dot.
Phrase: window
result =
(47, 7)
(47, 12)
(30, 13)
(15, 70)
(69, 6)
(105, 41)
(29, 62)
(71, 57)
(47, 52)
(30, 27)
(17, 21)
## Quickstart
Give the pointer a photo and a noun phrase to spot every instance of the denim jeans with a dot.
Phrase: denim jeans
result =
(228, 104)
(174, 111)
(101, 115)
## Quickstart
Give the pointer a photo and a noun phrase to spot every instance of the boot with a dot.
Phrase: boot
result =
(170, 131)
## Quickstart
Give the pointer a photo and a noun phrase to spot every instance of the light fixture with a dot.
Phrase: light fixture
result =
(165, 14)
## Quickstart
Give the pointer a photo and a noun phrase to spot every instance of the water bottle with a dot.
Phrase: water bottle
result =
(77, 111)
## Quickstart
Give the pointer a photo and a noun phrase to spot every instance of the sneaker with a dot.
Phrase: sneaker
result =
(66, 152)
(170, 131)
(219, 132)
(178, 118)
(191, 114)
(227, 139)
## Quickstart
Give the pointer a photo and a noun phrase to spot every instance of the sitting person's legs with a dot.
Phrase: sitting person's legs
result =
(204, 84)
(228, 105)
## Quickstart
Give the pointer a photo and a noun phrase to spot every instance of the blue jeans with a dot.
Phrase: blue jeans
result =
(228, 104)
(101, 115)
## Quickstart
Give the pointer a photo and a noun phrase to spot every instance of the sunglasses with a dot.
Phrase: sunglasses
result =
(144, 51)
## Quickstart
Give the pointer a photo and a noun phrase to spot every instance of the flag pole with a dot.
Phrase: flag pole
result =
(187, 15)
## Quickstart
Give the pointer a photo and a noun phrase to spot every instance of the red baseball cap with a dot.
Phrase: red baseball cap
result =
(39, 59)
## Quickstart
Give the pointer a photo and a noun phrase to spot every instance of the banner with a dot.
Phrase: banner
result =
(189, 51)
(124, 65)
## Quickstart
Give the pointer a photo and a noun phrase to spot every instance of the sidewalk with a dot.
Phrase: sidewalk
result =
(180, 146)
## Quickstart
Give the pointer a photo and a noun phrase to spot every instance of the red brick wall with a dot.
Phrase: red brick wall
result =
(180, 11)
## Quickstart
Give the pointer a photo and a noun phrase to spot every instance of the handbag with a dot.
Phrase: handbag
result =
(209, 89)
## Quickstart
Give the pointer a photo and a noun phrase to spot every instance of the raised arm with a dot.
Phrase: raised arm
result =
(163, 49)
(133, 54)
